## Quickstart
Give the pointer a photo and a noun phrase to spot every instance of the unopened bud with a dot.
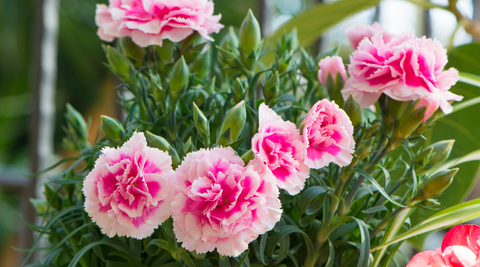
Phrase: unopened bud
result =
(440, 151)
(201, 67)
(130, 49)
(210, 86)
(396, 108)
(234, 121)
(119, 63)
(76, 124)
(271, 87)
(166, 52)
(179, 79)
(332, 76)
(192, 40)
(410, 121)
(230, 40)
(238, 90)
(162, 144)
(250, 35)
(112, 128)
(201, 123)
(352, 108)
(438, 182)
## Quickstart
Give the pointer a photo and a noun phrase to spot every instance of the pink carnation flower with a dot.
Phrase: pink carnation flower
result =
(130, 190)
(279, 145)
(460, 248)
(405, 68)
(221, 204)
(328, 133)
(148, 22)
(357, 32)
(332, 66)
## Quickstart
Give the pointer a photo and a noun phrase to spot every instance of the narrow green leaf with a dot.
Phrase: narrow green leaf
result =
(331, 254)
(375, 209)
(365, 243)
(377, 186)
(473, 156)
(80, 254)
(152, 247)
(186, 258)
(242, 260)
(469, 78)
(304, 202)
(452, 216)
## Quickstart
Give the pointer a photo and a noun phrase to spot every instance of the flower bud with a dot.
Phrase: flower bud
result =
(438, 182)
(409, 122)
(119, 63)
(179, 79)
(352, 108)
(250, 35)
(77, 126)
(166, 52)
(234, 121)
(396, 108)
(291, 41)
(201, 67)
(201, 123)
(130, 49)
(271, 87)
(192, 40)
(210, 86)
(112, 128)
(332, 76)
(230, 41)
(439, 153)
(238, 91)
(331, 66)
(162, 144)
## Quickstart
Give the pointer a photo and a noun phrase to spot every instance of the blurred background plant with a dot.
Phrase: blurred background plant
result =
(84, 82)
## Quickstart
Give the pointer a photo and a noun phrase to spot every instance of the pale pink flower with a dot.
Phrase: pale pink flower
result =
(357, 32)
(405, 68)
(221, 204)
(460, 248)
(328, 134)
(332, 66)
(130, 190)
(279, 145)
(148, 22)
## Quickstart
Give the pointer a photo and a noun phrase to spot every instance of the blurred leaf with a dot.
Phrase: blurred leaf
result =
(452, 216)
(311, 24)
(461, 126)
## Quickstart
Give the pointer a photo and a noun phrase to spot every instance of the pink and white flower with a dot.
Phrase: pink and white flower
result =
(148, 22)
(279, 145)
(357, 32)
(460, 248)
(221, 204)
(332, 66)
(130, 190)
(328, 134)
(404, 68)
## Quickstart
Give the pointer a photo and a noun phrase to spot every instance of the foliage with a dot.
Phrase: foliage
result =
(345, 216)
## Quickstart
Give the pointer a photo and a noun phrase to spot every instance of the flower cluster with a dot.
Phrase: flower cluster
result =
(148, 22)
(460, 248)
(401, 66)
(327, 137)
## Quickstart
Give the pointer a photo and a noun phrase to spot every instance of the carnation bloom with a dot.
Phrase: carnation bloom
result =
(130, 190)
(279, 145)
(221, 204)
(148, 22)
(357, 32)
(332, 66)
(404, 68)
(460, 248)
(328, 133)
